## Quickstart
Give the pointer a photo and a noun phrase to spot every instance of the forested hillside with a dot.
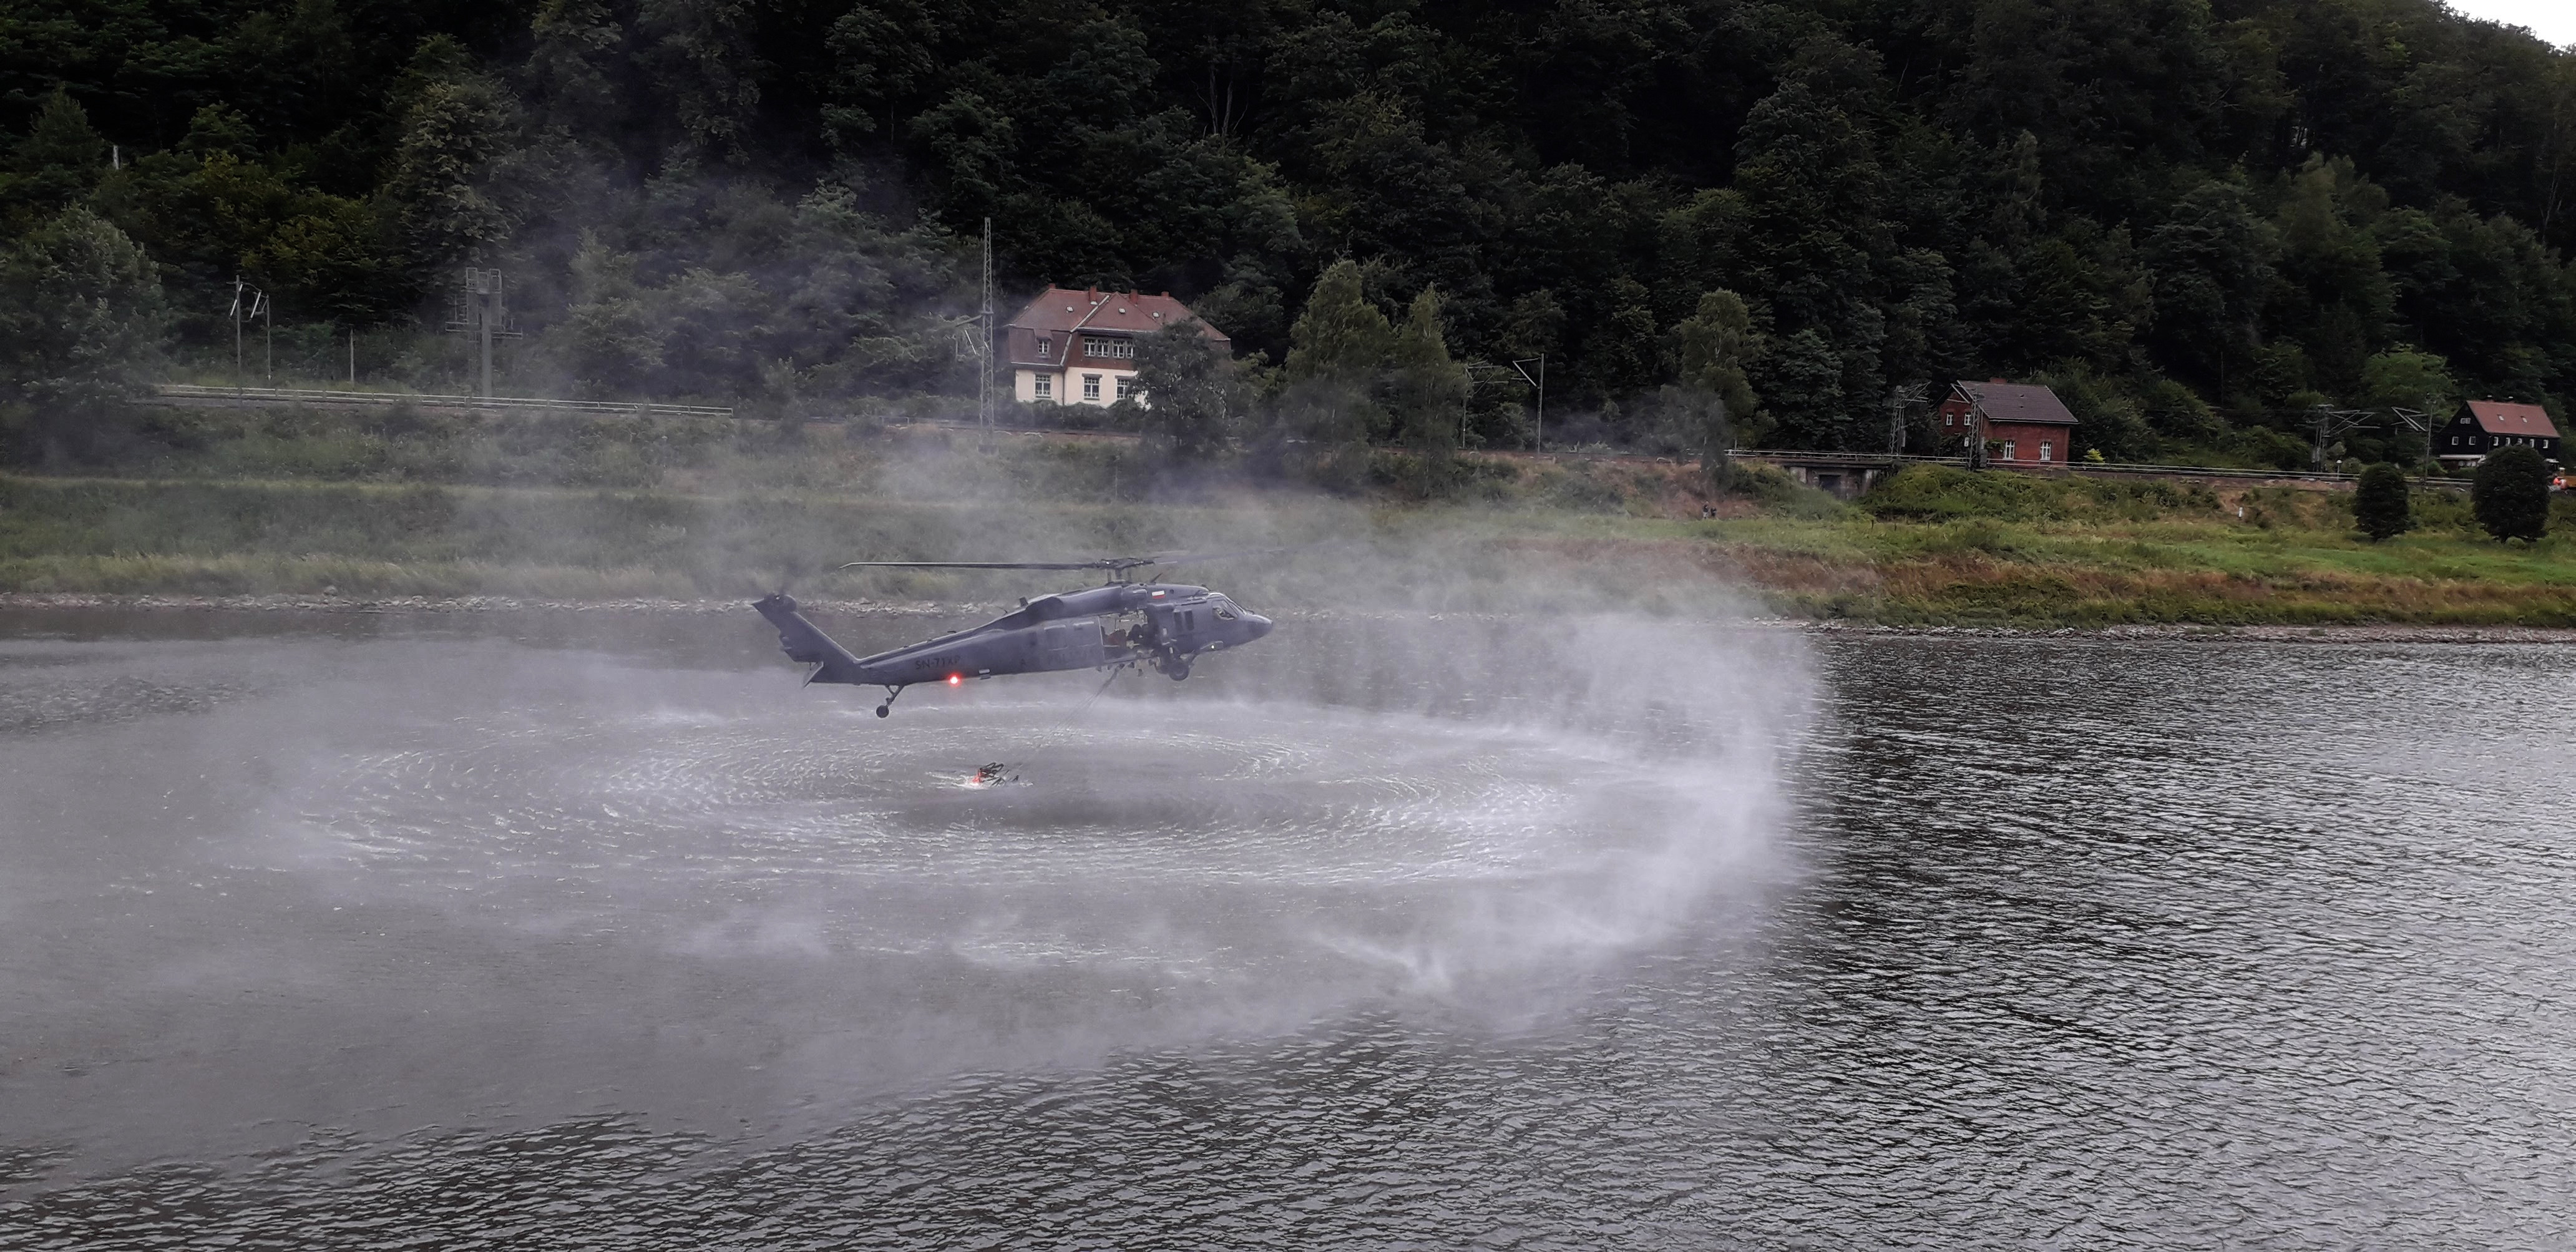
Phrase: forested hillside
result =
(2198, 219)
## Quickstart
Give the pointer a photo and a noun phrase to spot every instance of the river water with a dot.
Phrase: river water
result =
(584, 931)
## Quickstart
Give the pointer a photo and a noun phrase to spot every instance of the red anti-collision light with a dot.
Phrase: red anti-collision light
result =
(954, 679)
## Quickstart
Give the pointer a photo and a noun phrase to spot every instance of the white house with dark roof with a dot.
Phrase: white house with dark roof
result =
(1079, 347)
(2483, 426)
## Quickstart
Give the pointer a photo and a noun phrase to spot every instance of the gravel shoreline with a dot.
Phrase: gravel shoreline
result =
(41, 600)
(93, 602)
(2376, 632)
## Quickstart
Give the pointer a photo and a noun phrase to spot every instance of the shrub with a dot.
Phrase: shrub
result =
(2379, 504)
(1778, 493)
(2273, 449)
(2511, 494)
(2268, 507)
(2106, 414)
(2444, 510)
(1579, 492)
(1941, 492)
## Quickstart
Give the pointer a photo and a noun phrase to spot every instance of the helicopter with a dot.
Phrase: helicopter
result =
(1117, 626)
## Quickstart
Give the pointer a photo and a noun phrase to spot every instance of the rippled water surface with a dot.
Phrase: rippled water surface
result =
(419, 934)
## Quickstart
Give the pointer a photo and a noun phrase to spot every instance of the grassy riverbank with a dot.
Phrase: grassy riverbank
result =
(201, 537)
(1948, 547)
(317, 505)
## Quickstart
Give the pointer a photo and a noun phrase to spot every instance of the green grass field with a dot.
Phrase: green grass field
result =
(2149, 553)
(721, 517)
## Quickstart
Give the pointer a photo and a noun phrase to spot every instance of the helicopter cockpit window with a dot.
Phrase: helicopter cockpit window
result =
(1225, 610)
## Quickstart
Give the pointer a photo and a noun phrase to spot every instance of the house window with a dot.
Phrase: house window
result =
(1123, 384)
(1091, 387)
(2046, 449)
(1104, 347)
(1046, 386)
(2008, 450)
(1046, 349)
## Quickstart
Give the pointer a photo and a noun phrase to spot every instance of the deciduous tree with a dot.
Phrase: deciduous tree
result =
(2215, 210)
(1192, 393)
(2511, 494)
(82, 325)
(59, 161)
(457, 128)
(1340, 335)
(2210, 264)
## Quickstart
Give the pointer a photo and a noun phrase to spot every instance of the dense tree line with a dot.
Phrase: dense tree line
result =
(2198, 218)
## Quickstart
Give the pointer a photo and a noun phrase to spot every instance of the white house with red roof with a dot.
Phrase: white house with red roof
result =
(2486, 425)
(1079, 347)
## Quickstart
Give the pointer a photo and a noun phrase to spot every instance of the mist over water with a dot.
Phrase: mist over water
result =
(1234, 852)
(1539, 932)
(495, 876)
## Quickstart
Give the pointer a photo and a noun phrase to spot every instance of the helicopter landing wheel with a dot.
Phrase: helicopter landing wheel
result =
(885, 710)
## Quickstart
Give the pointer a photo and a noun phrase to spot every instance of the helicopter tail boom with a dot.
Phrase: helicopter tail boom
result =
(806, 644)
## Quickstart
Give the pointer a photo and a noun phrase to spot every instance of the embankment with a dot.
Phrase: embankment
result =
(1972, 552)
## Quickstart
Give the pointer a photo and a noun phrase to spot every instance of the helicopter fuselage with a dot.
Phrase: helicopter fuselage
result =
(1166, 625)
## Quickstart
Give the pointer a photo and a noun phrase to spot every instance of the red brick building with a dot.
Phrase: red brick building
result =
(2015, 423)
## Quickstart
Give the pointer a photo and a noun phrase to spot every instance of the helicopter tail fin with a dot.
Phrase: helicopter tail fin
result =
(805, 644)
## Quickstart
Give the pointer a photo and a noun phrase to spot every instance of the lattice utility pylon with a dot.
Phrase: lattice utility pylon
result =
(479, 305)
(2331, 423)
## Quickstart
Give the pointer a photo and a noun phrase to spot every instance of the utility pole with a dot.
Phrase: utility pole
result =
(2420, 422)
(267, 340)
(1538, 428)
(984, 358)
(1899, 398)
(483, 292)
(239, 314)
(1470, 373)
(479, 306)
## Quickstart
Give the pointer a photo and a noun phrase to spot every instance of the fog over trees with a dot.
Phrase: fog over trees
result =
(2195, 219)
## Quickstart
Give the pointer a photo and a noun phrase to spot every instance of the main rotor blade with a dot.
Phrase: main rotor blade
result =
(1191, 558)
(1106, 562)
(977, 565)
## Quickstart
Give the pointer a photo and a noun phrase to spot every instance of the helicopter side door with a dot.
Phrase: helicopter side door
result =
(1074, 644)
(1184, 627)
